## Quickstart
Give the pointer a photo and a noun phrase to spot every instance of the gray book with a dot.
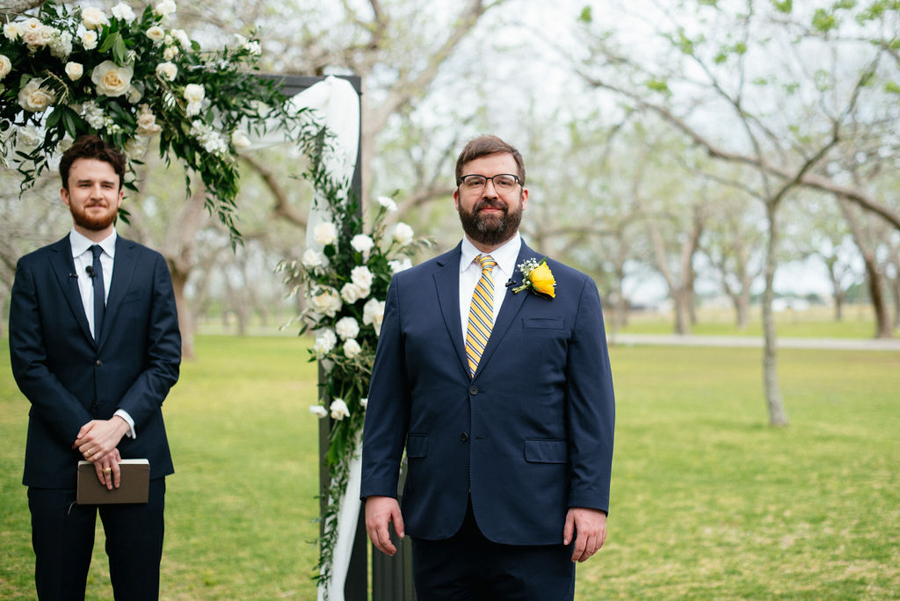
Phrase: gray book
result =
(134, 485)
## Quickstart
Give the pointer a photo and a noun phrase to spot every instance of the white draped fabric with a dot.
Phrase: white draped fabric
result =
(337, 107)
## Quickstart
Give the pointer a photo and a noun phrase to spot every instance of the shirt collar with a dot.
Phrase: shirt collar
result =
(505, 256)
(81, 244)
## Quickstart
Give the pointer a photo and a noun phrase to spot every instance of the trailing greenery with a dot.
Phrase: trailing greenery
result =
(708, 502)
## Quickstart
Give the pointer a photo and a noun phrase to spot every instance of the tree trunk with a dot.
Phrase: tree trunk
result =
(185, 319)
(682, 298)
(775, 402)
(874, 277)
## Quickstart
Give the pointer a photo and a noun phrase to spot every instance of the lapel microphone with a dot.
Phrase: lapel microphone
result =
(90, 271)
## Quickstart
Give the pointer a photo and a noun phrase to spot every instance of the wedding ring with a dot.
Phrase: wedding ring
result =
(89, 452)
(107, 470)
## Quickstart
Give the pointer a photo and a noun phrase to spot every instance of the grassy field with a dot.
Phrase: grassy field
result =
(708, 502)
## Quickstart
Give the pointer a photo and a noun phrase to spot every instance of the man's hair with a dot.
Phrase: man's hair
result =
(91, 147)
(484, 146)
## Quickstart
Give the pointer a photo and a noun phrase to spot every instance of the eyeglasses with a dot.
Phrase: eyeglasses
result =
(503, 182)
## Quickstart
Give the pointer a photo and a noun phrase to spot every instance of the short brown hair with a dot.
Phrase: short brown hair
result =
(92, 147)
(484, 146)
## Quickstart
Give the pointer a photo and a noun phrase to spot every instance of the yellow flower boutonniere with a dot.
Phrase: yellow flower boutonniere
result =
(537, 277)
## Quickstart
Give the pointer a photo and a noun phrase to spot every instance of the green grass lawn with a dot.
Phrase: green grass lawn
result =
(708, 502)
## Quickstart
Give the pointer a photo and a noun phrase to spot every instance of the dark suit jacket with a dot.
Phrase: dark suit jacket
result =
(70, 380)
(528, 437)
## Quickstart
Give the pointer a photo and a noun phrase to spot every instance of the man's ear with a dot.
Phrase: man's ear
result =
(456, 199)
(64, 195)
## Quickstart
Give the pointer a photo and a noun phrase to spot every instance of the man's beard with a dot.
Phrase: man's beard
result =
(93, 223)
(491, 229)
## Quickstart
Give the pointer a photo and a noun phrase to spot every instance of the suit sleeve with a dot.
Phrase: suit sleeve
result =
(591, 406)
(50, 400)
(145, 396)
(387, 411)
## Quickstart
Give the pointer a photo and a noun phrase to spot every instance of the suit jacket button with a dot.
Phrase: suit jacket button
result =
(463, 437)
(473, 390)
(98, 362)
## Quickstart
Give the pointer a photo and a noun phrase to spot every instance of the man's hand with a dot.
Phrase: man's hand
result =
(98, 438)
(589, 525)
(381, 511)
(108, 471)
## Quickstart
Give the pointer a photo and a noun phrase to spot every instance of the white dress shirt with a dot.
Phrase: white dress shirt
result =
(470, 273)
(83, 257)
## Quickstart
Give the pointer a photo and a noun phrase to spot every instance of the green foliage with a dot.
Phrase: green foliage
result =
(785, 6)
(586, 15)
(658, 85)
(824, 21)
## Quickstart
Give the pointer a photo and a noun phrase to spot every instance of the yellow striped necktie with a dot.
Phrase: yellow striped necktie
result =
(481, 313)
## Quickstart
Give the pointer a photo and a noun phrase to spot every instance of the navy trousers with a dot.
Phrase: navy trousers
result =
(62, 535)
(469, 567)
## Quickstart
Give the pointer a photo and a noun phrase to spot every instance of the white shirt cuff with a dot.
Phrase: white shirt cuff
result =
(124, 415)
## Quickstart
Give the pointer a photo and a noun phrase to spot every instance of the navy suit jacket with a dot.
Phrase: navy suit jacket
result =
(70, 380)
(528, 437)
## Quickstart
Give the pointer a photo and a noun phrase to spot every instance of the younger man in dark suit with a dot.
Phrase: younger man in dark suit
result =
(95, 347)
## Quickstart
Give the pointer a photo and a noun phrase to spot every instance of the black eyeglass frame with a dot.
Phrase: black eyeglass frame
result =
(462, 180)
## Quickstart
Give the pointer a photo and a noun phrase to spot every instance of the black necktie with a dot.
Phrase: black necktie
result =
(99, 290)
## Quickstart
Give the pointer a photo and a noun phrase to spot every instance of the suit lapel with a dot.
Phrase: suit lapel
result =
(446, 280)
(123, 272)
(64, 268)
(512, 303)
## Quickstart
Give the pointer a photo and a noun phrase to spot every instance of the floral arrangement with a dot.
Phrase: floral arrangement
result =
(129, 77)
(537, 277)
(344, 281)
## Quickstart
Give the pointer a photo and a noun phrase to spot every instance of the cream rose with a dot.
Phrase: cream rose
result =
(403, 234)
(339, 409)
(146, 121)
(165, 8)
(346, 328)
(74, 71)
(373, 314)
(352, 349)
(167, 71)
(93, 18)
(362, 243)
(194, 93)
(170, 52)
(325, 233)
(10, 31)
(123, 11)
(5, 66)
(34, 98)
(240, 140)
(89, 40)
(319, 411)
(156, 34)
(111, 79)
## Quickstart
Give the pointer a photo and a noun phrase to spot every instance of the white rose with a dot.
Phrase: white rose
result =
(28, 137)
(346, 328)
(5, 66)
(325, 233)
(146, 121)
(167, 71)
(361, 276)
(34, 38)
(388, 203)
(182, 37)
(403, 234)
(352, 349)
(74, 71)
(339, 409)
(156, 34)
(364, 403)
(136, 147)
(165, 8)
(111, 79)
(194, 93)
(325, 301)
(34, 98)
(93, 18)
(313, 258)
(398, 265)
(170, 52)
(319, 411)
(373, 314)
(123, 11)
(10, 31)
(239, 139)
(89, 40)
(353, 292)
(362, 243)
(325, 342)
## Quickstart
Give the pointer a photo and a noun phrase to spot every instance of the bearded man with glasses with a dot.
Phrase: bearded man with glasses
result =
(492, 372)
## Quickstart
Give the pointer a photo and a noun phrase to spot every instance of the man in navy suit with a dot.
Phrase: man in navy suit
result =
(509, 442)
(95, 347)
